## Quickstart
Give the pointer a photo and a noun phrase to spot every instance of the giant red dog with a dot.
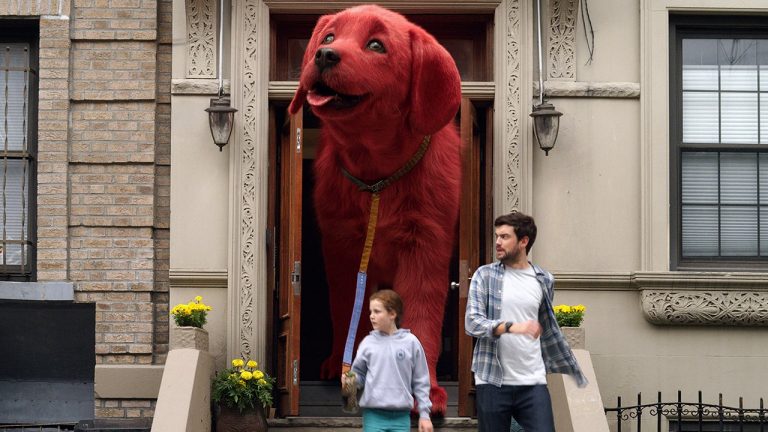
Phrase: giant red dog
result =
(380, 85)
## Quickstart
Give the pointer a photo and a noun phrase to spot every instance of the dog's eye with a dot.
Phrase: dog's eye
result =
(328, 39)
(376, 45)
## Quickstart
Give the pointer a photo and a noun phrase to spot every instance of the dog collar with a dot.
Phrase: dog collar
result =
(381, 184)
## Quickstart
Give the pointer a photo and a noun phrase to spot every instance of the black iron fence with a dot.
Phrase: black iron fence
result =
(682, 416)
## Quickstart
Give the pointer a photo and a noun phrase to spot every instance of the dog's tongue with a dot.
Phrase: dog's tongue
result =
(315, 99)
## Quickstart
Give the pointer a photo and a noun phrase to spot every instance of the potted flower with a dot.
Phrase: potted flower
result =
(190, 319)
(569, 320)
(242, 393)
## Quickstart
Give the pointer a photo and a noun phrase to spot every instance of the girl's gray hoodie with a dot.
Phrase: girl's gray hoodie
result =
(390, 369)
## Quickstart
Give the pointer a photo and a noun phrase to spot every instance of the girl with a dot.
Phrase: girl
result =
(391, 368)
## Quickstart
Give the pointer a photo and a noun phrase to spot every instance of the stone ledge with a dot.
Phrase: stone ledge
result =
(197, 86)
(37, 291)
(703, 298)
(621, 90)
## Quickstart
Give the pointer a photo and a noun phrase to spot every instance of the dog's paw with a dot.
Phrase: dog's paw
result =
(439, 399)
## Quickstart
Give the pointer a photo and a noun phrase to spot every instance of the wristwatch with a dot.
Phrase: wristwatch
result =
(507, 326)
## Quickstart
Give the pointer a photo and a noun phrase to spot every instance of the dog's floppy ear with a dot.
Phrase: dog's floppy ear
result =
(309, 55)
(435, 84)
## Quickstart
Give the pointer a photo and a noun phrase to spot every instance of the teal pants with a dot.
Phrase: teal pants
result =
(378, 420)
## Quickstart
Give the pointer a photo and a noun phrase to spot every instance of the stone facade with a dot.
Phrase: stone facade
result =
(104, 170)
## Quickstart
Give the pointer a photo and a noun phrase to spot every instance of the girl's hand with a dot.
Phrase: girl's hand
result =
(425, 425)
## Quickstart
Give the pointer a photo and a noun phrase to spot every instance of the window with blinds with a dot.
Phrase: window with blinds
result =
(16, 160)
(720, 147)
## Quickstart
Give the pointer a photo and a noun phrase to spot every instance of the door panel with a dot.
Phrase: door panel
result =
(469, 243)
(289, 286)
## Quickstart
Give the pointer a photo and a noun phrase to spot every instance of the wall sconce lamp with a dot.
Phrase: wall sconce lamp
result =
(546, 123)
(546, 119)
(221, 116)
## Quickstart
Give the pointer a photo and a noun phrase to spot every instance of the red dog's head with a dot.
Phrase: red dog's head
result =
(371, 67)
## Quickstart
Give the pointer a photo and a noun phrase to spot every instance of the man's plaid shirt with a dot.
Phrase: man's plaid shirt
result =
(483, 316)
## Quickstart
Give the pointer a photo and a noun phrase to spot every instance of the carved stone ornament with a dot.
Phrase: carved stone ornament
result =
(713, 299)
(512, 105)
(201, 38)
(561, 49)
(706, 308)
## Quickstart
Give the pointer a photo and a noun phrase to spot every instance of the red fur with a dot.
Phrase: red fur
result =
(411, 90)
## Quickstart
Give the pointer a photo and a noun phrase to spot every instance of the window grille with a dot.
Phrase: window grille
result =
(16, 160)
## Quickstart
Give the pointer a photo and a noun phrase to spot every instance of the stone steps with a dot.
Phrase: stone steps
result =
(349, 424)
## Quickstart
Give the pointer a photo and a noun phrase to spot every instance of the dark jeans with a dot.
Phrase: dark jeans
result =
(530, 406)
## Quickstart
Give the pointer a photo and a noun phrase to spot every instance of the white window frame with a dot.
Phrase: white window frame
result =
(655, 118)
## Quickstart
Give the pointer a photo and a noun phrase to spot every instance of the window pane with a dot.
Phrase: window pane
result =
(13, 96)
(699, 231)
(739, 118)
(700, 51)
(763, 77)
(700, 118)
(763, 117)
(764, 231)
(13, 208)
(697, 77)
(738, 231)
(738, 178)
(737, 52)
(742, 78)
(699, 178)
(764, 180)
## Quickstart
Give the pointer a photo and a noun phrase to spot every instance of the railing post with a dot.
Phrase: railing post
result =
(761, 416)
(680, 410)
(639, 412)
(701, 414)
(720, 410)
(741, 414)
(658, 413)
(618, 415)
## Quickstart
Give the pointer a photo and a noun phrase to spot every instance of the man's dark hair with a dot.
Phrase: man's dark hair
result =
(523, 224)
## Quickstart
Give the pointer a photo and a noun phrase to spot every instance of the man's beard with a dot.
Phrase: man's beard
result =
(510, 257)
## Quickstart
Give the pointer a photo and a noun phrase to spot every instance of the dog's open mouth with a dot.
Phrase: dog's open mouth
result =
(322, 95)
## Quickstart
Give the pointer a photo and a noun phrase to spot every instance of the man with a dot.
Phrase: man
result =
(509, 312)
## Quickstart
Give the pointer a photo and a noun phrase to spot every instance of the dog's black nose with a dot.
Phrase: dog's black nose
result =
(326, 57)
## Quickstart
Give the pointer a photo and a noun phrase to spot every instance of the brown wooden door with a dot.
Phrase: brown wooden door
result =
(469, 243)
(289, 272)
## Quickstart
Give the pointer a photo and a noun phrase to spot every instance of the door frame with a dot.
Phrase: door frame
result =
(249, 160)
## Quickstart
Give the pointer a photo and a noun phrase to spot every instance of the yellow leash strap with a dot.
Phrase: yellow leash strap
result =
(362, 277)
(372, 219)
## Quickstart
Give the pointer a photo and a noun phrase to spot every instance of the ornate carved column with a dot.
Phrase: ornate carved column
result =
(512, 156)
(248, 180)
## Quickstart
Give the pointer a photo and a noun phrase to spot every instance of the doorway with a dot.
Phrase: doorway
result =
(301, 319)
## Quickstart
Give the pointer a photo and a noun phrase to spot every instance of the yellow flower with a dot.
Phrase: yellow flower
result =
(246, 375)
(242, 383)
(237, 363)
(252, 364)
(198, 299)
(566, 308)
(579, 308)
(262, 382)
(258, 374)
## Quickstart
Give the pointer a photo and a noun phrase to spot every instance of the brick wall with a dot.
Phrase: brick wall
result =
(104, 170)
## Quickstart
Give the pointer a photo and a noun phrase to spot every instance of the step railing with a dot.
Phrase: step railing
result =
(689, 416)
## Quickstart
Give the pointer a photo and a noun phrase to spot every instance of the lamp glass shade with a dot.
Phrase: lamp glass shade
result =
(546, 123)
(221, 117)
